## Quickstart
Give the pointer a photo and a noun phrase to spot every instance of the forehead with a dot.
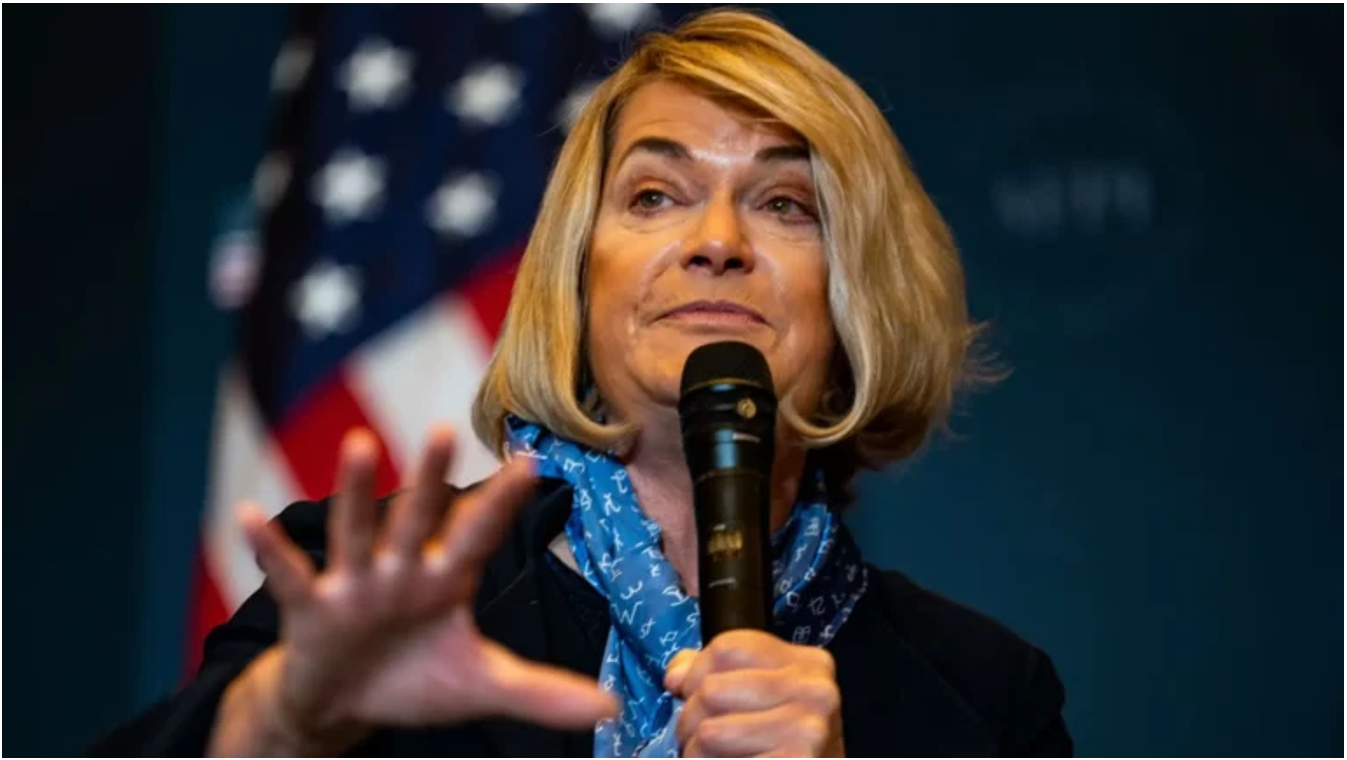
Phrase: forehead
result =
(677, 111)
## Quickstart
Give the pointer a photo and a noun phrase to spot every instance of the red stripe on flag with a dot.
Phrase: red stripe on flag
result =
(311, 439)
(207, 611)
(488, 291)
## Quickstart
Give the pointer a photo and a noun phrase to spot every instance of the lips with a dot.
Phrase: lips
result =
(727, 311)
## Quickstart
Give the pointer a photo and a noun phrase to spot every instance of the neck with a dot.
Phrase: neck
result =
(659, 474)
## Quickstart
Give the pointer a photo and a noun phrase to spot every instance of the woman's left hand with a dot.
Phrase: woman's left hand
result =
(750, 693)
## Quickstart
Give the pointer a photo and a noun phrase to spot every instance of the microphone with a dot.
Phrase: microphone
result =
(727, 410)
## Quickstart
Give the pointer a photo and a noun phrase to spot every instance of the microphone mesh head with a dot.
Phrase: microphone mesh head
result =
(728, 361)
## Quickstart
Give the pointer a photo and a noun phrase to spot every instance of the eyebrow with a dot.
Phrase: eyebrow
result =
(676, 151)
(782, 153)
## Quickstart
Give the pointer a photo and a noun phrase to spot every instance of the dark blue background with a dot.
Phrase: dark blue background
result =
(1148, 201)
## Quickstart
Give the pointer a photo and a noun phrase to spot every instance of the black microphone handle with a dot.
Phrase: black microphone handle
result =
(734, 575)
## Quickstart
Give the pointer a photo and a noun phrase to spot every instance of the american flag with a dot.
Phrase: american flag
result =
(410, 149)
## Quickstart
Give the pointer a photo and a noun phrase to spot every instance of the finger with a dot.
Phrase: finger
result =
(750, 650)
(734, 650)
(753, 691)
(746, 648)
(478, 521)
(415, 515)
(288, 569)
(691, 716)
(678, 669)
(745, 734)
(692, 671)
(542, 694)
(352, 520)
(758, 690)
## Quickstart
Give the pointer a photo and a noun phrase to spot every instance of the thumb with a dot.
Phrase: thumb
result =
(677, 670)
(542, 694)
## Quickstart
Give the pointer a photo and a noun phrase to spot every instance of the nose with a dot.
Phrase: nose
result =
(718, 244)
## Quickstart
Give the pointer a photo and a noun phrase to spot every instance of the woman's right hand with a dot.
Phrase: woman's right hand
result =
(385, 635)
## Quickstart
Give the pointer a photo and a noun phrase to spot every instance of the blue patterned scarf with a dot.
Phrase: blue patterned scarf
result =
(817, 577)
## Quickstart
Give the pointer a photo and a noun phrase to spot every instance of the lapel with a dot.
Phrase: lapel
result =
(895, 703)
(515, 618)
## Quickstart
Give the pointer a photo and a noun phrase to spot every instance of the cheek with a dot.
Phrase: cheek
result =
(612, 306)
(605, 315)
(612, 268)
(812, 336)
(806, 296)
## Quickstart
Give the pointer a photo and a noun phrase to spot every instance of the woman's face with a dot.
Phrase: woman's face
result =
(707, 231)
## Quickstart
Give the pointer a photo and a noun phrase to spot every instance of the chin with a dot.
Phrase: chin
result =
(684, 338)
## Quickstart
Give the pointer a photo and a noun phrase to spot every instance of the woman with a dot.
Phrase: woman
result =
(725, 183)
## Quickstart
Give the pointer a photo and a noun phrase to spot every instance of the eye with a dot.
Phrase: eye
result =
(789, 208)
(649, 200)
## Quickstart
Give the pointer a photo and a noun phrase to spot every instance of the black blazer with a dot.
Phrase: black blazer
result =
(919, 674)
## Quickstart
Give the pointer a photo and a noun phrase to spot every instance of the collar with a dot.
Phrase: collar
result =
(512, 613)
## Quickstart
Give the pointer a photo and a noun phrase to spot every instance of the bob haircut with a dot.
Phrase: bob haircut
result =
(895, 284)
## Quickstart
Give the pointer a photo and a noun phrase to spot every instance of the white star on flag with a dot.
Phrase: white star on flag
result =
(463, 206)
(376, 75)
(350, 186)
(487, 95)
(327, 299)
(616, 19)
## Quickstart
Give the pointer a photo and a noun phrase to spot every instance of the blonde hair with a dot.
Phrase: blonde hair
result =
(896, 286)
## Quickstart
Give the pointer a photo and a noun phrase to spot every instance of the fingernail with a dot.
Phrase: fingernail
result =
(246, 512)
(252, 522)
(361, 445)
